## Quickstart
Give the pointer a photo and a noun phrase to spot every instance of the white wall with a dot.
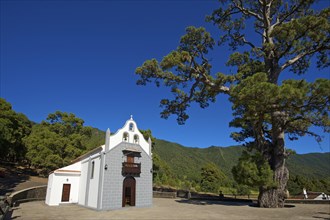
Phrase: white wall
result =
(65, 175)
(56, 191)
(117, 138)
(49, 188)
(72, 167)
(83, 182)
(94, 183)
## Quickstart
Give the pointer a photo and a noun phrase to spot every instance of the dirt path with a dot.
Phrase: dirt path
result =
(17, 178)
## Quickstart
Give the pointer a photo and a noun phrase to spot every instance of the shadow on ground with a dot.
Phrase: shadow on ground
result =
(10, 213)
(215, 202)
(322, 215)
(226, 202)
(11, 178)
(255, 205)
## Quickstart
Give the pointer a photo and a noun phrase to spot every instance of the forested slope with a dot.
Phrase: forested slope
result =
(186, 161)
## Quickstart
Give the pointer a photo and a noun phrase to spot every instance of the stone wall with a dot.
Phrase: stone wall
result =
(158, 194)
(112, 190)
(29, 194)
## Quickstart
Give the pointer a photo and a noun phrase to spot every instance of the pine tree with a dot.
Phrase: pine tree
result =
(286, 36)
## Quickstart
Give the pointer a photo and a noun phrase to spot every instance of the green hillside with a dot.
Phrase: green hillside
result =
(97, 139)
(186, 161)
(313, 165)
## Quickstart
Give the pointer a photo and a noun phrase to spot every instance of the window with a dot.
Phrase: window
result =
(125, 137)
(92, 172)
(136, 139)
(131, 127)
(130, 159)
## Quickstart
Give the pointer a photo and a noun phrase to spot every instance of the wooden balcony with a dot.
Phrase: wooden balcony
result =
(131, 168)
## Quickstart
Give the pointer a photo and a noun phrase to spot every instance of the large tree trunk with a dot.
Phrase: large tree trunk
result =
(275, 197)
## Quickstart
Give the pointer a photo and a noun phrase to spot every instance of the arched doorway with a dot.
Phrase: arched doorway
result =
(129, 191)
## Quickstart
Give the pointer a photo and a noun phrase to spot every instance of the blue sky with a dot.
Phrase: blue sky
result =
(81, 56)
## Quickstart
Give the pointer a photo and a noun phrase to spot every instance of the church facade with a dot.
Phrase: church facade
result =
(112, 176)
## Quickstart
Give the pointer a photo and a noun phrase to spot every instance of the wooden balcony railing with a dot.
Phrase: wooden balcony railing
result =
(131, 168)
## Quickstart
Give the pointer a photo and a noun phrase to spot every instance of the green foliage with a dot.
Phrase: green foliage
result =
(212, 178)
(296, 184)
(241, 190)
(183, 165)
(185, 184)
(96, 139)
(290, 32)
(148, 134)
(253, 170)
(57, 141)
(185, 67)
(13, 128)
(162, 174)
(303, 104)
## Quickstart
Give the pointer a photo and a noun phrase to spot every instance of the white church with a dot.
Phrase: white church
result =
(111, 176)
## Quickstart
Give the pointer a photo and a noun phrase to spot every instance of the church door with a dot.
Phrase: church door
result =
(66, 192)
(129, 185)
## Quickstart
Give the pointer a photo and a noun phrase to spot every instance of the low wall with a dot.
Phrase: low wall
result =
(182, 193)
(157, 194)
(29, 194)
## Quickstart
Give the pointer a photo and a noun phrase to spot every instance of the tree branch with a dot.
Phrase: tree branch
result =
(248, 43)
(203, 77)
(286, 16)
(246, 11)
(301, 55)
